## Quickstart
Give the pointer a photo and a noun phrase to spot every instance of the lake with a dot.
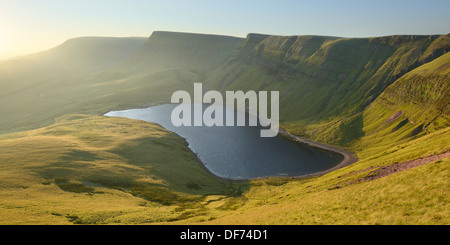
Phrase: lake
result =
(239, 152)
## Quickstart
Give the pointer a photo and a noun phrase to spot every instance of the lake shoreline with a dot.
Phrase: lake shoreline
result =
(350, 157)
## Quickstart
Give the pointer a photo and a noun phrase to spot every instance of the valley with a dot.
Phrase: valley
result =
(386, 99)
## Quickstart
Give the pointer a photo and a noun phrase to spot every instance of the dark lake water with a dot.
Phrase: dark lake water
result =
(239, 152)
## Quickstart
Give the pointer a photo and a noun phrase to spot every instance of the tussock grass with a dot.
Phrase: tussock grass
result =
(93, 169)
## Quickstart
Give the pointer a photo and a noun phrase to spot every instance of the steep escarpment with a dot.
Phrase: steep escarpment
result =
(321, 78)
(423, 93)
(386, 98)
(94, 75)
(415, 105)
(200, 52)
(325, 83)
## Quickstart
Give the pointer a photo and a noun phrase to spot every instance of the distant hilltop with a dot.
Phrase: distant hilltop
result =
(320, 78)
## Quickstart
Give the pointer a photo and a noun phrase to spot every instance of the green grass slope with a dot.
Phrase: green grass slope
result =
(415, 105)
(81, 54)
(98, 170)
(408, 122)
(394, 200)
(200, 52)
(385, 98)
(37, 88)
(34, 93)
(92, 52)
(324, 79)
(101, 170)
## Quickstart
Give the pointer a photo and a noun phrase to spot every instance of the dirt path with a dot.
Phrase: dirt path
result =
(398, 167)
(349, 156)
(380, 172)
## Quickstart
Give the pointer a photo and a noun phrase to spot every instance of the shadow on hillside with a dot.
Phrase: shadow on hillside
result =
(352, 129)
(161, 170)
(173, 167)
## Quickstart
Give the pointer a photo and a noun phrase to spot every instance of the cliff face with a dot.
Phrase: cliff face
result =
(328, 81)
(418, 101)
(325, 77)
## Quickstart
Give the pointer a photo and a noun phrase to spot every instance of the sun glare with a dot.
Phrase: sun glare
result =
(3, 46)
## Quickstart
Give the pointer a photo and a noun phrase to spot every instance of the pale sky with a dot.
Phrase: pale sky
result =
(28, 26)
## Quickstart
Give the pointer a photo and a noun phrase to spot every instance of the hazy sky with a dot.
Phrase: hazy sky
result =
(28, 26)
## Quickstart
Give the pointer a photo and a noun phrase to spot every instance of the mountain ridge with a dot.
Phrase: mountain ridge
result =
(65, 163)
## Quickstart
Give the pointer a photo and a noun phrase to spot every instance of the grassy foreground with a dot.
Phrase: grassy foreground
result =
(87, 169)
(416, 196)
(100, 170)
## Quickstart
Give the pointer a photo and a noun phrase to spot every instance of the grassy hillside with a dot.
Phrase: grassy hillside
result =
(92, 52)
(325, 79)
(35, 89)
(98, 170)
(91, 169)
(386, 98)
(81, 54)
(393, 200)
(407, 125)
(199, 52)
(415, 105)
(37, 92)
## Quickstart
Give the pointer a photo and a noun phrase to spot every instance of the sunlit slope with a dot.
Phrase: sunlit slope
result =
(71, 61)
(325, 78)
(320, 79)
(94, 52)
(393, 200)
(34, 89)
(34, 93)
(199, 52)
(422, 95)
(74, 55)
(414, 105)
(357, 194)
(167, 62)
(100, 170)
(90, 169)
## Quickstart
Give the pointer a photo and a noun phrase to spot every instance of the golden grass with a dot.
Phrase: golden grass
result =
(416, 196)
(92, 169)
(101, 170)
